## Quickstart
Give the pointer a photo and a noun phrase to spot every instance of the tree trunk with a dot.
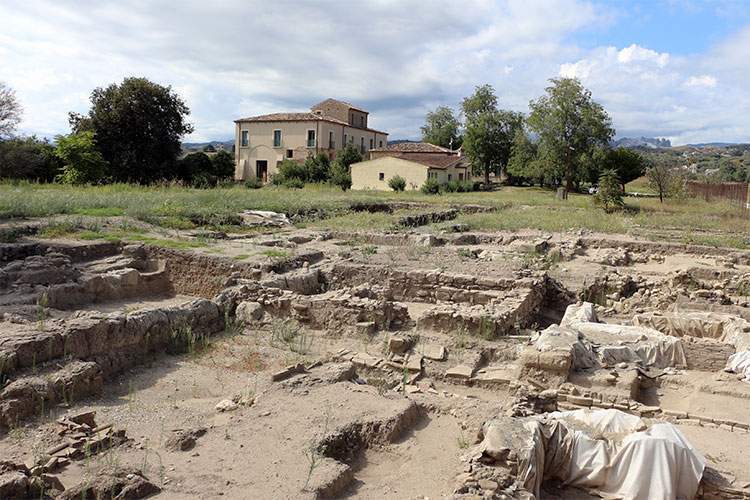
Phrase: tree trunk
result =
(568, 180)
(487, 177)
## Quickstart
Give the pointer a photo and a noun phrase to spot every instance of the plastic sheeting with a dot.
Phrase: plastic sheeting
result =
(726, 328)
(613, 453)
(620, 343)
(739, 362)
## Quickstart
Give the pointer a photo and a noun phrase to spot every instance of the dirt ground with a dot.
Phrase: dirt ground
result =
(353, 419)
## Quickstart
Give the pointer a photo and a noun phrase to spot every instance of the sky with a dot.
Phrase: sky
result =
(678, 69)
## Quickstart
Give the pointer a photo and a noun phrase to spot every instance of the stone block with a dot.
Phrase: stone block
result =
(460, 372)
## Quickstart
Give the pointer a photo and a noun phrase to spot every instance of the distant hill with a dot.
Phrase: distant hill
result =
(400, 141)
(194, 147)
(647, 142)
(717, 144)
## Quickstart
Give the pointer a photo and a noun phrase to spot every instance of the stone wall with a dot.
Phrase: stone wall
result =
(704, 354)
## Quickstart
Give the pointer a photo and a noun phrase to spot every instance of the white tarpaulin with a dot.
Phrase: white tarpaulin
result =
(613, 453)
(739, 362)
(618, 343)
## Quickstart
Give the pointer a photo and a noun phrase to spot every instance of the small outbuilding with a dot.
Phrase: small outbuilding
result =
(416, 168)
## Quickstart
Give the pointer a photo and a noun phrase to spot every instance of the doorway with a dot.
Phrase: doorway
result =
(261, 169)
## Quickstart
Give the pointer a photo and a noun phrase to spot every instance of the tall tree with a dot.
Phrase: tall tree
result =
(569, 123)
(139, 125)
(441, 128)
(10, 111)
(489, 132)
(482, 101)
(628, 164)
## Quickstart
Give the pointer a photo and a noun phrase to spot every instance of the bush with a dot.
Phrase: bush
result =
(609, 196)
(431, 186)
(397, 183)
(293, 183)
(82, 162)
(253, 183)
(223, 164)
(341, 176)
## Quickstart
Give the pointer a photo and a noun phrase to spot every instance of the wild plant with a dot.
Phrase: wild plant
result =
(313, 451)
(486, 327)
(41, 311)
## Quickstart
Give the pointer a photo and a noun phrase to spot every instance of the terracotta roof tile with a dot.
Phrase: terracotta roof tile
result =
(414, 147)
(433, 160)
(300, 117)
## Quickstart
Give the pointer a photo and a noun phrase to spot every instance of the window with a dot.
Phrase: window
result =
(460, 177)
(449, 176)
(362, 121)
(277, 138)
(290, 153)
(351, 120)
(245, 140)
(371, 143)
(310, 138)
(331, 145)
(381, 144)
(344, 140)
(362, 145)
(381, 176)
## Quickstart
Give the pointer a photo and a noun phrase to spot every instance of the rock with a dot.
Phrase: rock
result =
(226, 405)
(249, 312)
(488, 484)
(263, 218)
(460, 372)
(122, 484)
(183, 439)
(399, 345)
(434, 352)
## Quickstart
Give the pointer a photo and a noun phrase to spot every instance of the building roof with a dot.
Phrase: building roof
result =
(336, 101)
(414, 147)
(439, 161)
(300, 117)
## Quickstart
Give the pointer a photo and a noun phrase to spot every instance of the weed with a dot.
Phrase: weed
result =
(418, 252)
(486, 327)
(226, 434)
(232, 327)
(466, 254)
(463, 443)
(312, 451)
(368, 250)
(41, 312)
(241, 256)
(9, 235)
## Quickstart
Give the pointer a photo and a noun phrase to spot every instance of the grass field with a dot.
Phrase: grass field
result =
(326, 207)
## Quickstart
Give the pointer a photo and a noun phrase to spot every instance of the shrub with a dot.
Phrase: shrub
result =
(293, 183)
(431, 186)
(609, 196)
(397, 183)
(341, 176)
(253, 183)
(83, 163)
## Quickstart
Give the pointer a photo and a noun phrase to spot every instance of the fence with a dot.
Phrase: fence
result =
(736, 193)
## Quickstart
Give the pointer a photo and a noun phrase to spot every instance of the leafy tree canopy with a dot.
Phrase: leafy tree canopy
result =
(139, 125)
(82, 162)
(482, 101)
(441, 128)
(569, 124)
(10, 111)
(28, 158)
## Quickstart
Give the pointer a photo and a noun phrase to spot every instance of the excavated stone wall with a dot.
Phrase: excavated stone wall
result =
(705, 354)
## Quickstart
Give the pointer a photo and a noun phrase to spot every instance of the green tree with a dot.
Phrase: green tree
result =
(441, 128)
(488, 140)
(318, 167)
(139, 125)
(209, 148)
(609, 196)
(197, 169)
(528, 161)
(661, 177)
(10, 111)
(628, 164)
(28, 158)
(223, 163)
(482, 101)
(569, 124)
(341, 174)
(82, 162)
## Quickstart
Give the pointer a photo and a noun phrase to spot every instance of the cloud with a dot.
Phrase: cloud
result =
(701, 81)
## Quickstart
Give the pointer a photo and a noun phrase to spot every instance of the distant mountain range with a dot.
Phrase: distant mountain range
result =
(644, 142)
(194, 147)
(717, 144)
